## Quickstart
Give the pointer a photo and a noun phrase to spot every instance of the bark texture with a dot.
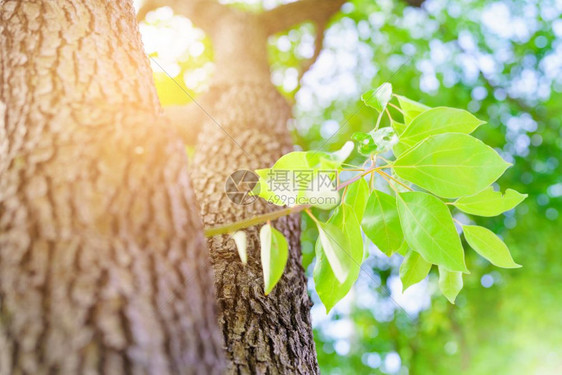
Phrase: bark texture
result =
(249, 130)
(263, 334)
(103, 267)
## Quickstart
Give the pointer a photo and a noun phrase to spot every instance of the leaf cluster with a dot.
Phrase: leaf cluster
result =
(430, 167)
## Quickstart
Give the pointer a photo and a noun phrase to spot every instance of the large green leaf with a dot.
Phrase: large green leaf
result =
(413, 269)
(378, 98)
(488, 245)
(403, 249)
(450, 283)
(436, 121)
(489, 202)
(291, 180)
(356, 197)
(329, 288)
(336, 247)
(451, 165)
(428, 229)
(397, 126)
(381, 223)
(274, 255)
(306, 160)
(411, 109)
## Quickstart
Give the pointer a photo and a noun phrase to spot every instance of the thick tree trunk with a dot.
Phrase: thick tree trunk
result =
(263, 334)
(103, 267)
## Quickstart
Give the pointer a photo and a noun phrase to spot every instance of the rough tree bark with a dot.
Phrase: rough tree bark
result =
(248, 130)
(103, 265)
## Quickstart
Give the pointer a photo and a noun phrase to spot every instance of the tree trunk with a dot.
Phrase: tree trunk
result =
(103, 266)
(248, 130)
(263, 334)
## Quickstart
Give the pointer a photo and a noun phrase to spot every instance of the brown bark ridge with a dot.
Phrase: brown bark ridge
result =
(247, 129)
(103, 266)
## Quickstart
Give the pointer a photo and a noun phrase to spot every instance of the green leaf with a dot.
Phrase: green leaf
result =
(291, 180)
(282, 170)
(274, 255)
(336, 247)
(451, 165)
(429, 230)
(376, 141)
(410, 108)
(436, 121)
(450, 283)
(381, 223)
(379, 97)
(384, 139)
(329, 289)
(365, 143)
(413, 269)
(489, 202)
(241, 244)
(489, 246)
(403, 249)
(397, 126)
(356, 197)
(343, 153)
(399, 184)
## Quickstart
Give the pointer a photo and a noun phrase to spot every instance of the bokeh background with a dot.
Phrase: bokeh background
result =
(501, 60)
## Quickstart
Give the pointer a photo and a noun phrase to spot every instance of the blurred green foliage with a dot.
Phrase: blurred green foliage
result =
(453, 53)
(501, 60)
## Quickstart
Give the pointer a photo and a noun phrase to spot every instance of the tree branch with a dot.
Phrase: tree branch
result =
(286, 16)
(233, 227)
(203, 13)
(318, 44)
(414, 3)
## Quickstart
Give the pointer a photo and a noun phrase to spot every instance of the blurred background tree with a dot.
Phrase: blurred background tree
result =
(502, 60)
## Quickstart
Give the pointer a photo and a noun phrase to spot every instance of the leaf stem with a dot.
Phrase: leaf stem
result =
(353, 169)
(227, 228)
(379, 120)
(388, 114)
(393, 179)
(232, 227)
(396, 107)
(358, 177)
(372, 179)
(386, 161)
(311, 215)
(344, 192)
(389, 184)
(351, 165)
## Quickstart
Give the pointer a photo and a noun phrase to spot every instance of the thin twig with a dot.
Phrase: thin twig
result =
(396, 107)
(228, 228)
(318, 44)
